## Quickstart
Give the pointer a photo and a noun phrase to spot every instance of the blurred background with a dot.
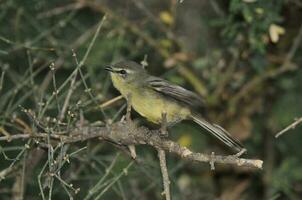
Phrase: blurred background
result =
(242, 56)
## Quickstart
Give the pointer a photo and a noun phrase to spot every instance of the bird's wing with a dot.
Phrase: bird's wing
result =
(191, 99)
(175, 92)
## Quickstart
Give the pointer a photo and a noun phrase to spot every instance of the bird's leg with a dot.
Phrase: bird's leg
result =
(163, 129)
(128, 120)
(128, 110)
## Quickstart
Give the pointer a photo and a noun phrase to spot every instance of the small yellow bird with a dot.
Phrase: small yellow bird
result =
(152, 96)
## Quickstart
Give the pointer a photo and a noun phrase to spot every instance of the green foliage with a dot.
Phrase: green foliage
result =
(286, 176)
(249, 23)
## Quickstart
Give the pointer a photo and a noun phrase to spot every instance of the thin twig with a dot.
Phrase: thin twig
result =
(70, 91)
(164, 172)
(40, 182)
(59, 10)
(117, 178)
(92, 41)
(162, 159)
(56, 91)
(111, 101)
(97, 186)
(291, 126)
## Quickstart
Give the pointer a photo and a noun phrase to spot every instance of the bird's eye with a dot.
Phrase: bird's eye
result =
(123, 72)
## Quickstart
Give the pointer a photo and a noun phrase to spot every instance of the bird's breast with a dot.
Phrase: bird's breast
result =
(151, 106)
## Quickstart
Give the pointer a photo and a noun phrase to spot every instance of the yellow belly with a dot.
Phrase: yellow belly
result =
(151, 107)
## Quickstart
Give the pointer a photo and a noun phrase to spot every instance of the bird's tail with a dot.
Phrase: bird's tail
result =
(218, 132)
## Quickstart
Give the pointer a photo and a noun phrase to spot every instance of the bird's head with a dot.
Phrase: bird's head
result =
(126, 72)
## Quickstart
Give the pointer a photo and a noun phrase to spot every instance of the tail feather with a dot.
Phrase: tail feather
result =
(218, 132)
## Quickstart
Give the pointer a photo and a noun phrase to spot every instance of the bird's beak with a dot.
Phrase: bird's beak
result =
(109, 68)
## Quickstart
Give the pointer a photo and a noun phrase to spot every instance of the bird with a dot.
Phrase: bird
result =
(152, 96)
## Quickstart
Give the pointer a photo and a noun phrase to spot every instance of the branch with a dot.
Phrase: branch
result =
(162, 159)
(124, 133)
(164, 171)
(291, 126)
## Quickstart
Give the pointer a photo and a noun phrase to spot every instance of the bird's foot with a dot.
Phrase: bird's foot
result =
(163, 133)
(163, 130)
